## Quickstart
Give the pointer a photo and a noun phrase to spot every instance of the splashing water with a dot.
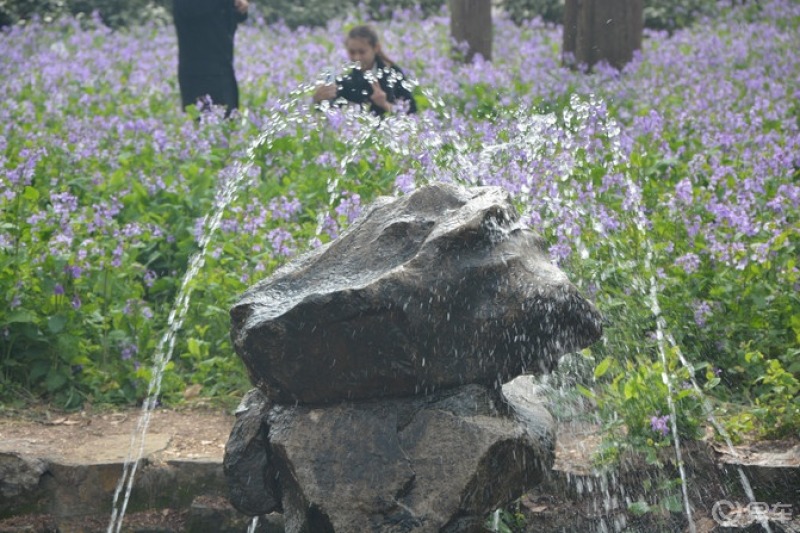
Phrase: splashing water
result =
(164, 350)
(423, 136)
(662, 336)
(531, 138)
(286, 113)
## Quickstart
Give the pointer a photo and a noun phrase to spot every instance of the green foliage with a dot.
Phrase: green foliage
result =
(667, 15)
(634, 400)
(776, 395)
(309, 13)
(294, 13)
(506, 520)
(663, 15)
(661, 496)
(547, 10)
(113, 13)
(737, 321)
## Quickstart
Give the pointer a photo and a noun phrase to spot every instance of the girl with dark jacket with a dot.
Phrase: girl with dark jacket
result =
(377, 81)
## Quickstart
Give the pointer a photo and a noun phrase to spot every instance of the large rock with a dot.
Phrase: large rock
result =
(20, 482)
(433, 290)
(251, 479)
(425, 464)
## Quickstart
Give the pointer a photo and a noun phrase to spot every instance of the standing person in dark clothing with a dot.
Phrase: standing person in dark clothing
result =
(377, 81)
(205, 31)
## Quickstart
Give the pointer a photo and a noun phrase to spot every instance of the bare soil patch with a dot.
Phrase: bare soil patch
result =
(190, 433)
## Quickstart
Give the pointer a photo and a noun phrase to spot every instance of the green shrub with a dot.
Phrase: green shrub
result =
(667, 15)
(117, 14)
(311, 13)
(113, 13)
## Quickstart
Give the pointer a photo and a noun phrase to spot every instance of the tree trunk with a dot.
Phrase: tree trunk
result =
(602, 30)
(471, 21)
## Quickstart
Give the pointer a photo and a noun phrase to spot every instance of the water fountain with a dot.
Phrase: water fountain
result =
(262, 405)
(378, 361)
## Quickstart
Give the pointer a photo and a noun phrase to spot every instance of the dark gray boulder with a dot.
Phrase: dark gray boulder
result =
(252, 479)
(421, 464)
(432, 290)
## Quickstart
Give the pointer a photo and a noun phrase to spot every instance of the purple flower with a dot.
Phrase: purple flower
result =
(63, 204)
(116, 256)
(702, 310)
(58, 290)
(404, 182)
(683, 191)
(128, 351)
(689, 262)
(284, 208)
(330, 226)
(282, 242)
(73, 270)
(149, 278)
(659, 424)
(76, 302)
(350, 206)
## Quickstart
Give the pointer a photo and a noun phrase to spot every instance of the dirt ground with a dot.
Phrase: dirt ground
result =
(191, 432)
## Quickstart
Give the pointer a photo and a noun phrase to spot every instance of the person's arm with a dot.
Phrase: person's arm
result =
(379, 98)
(325, 92)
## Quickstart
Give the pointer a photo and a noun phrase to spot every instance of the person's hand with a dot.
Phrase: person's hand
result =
(241, 6)
(378, 97)
(325, 92)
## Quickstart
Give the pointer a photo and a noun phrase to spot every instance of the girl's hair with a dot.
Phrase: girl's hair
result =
(371, 36)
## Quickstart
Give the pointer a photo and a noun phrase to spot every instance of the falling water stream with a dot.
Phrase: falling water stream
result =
(530, 137)
(662, 336)
(277, 122)
(287, 113)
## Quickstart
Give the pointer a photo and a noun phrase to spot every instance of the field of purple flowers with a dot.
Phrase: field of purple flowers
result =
(670, 193)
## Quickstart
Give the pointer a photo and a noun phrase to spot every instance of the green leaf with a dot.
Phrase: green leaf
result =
(602, 368)
(630, 390)
(56, 323)
(38, 369)
(31, 194)
(586, 392)
(795, 321)
(55, 380)
(673, 504)
(21, 316)
(639, 508)
(195, 347)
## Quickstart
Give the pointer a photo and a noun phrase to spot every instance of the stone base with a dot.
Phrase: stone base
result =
(438, 463)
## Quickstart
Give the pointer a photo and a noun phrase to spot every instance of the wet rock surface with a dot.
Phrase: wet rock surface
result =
(379, 360)
(433, 290)
(436, 463)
